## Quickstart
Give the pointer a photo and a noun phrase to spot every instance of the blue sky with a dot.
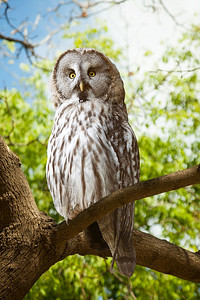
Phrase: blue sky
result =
(10, 71)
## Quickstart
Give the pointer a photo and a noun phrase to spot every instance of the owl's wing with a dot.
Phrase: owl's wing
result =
(117, 227)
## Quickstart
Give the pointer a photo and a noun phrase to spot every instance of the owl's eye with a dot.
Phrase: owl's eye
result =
(91, 73)
(72, 75)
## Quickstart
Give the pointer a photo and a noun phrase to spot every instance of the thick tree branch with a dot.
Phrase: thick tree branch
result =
(31, 242)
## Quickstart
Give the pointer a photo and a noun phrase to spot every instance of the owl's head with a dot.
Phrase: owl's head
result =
(86, 75)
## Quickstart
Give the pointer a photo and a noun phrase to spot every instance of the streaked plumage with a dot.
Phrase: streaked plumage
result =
(92, 150)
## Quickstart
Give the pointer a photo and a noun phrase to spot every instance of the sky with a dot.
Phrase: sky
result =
(142, 29)
(22, 10)
(131, 25)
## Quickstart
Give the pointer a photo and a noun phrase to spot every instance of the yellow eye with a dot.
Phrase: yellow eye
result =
(72, 75)
(91, 73)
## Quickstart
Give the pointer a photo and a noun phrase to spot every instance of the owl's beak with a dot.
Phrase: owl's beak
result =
(81, 86)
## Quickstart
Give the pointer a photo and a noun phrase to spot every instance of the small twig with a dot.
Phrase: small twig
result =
(82, 286)
(176, 71)
(60, 4)
(8, 21)
(170, 14)
(128, 285)
(152, 6)
(23, 144)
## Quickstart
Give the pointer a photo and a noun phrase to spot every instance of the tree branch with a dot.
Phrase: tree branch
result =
(24, 43)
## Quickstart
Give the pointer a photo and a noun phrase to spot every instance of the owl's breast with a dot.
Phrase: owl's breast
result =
(84, 167)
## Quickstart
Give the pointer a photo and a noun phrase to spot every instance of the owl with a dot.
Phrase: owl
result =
(92, 150)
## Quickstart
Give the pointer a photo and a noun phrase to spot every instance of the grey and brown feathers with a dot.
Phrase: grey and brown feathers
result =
(92, 150)
(115, 90)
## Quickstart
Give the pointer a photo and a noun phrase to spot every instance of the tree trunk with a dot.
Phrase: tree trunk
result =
(31, 242)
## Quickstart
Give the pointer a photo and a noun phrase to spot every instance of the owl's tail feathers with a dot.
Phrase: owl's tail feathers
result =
(125, 262)
(118, 235)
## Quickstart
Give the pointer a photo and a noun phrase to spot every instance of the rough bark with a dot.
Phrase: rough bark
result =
(31, 242)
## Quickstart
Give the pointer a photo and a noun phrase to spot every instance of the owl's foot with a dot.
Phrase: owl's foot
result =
(73, 212)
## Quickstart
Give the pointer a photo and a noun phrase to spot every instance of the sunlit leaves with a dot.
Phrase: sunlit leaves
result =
(97, 38)
(10, 45)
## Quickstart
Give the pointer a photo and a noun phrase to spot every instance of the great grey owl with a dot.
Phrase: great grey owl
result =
(92, 150)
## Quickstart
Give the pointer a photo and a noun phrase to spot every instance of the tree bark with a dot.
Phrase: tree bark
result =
(31, 242)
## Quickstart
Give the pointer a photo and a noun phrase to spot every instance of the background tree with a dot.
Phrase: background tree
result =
(169, 141)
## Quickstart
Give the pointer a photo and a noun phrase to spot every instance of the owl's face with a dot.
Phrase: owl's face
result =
(85, 75)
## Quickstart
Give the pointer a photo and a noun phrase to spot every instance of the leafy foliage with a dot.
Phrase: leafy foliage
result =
(93, 38)
(169, 140)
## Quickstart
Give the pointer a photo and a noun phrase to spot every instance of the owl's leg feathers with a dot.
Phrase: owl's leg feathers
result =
(95, 238)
